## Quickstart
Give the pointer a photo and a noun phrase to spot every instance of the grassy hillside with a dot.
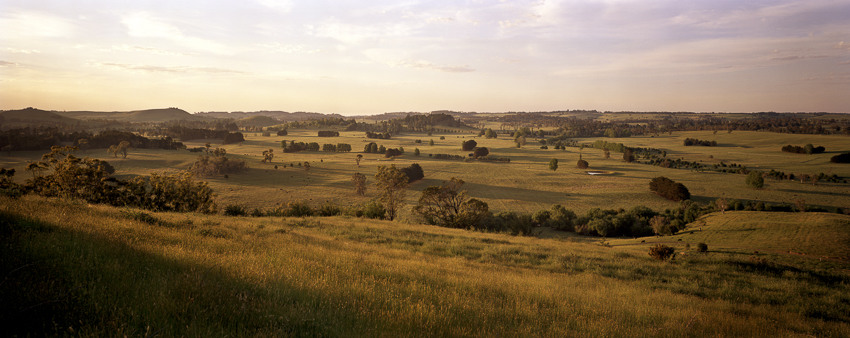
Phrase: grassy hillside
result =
(100, 271)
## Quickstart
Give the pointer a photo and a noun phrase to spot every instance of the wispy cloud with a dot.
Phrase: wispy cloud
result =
(276, 47)
(146, 25)
(428, 65)
(22, 51)
(29, 25)
(7, 64)
(127, 48)
(284, 6)
(174, 69)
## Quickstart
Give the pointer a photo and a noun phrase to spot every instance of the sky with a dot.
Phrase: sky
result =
(356, 57)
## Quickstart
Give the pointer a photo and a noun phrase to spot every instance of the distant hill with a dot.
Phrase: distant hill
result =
(32, 116)
(258, 121)
(279, 115)
(149, 115)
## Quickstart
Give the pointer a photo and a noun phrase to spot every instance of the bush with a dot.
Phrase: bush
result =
(843, 158)
(661, 252)
(469, 145)
(702, 247)
(755, 180)
(282, 132)
(235, 210)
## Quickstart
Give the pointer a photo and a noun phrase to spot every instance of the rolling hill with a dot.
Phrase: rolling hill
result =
(32, 116)
(148, 115)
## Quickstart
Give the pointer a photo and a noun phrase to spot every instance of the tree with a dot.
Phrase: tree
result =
(359, 183)
(553, 164)
(122, 148)
(607, 154)
(414, 172)
(755, 180)
(416, 152)
(268, 155)
(661, 226)
(445, 205)
(661, 252)
(481, 152)
(358, 158)
(306, 166)
(668, 189)
(628, 156)
(581, 164)
(489, 133)
(83, 144)
(469, 145)
(431, 142)
(391, 184)
(722, 205)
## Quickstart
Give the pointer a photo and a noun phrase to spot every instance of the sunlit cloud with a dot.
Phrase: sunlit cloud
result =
(7, 64)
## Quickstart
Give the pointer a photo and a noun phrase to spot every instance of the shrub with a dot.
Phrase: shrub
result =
(142, 216)
(843, 158)
(282, 132)
(755, 180)
(469, 145)
(661, 252)
(235, 210)
(702, 247)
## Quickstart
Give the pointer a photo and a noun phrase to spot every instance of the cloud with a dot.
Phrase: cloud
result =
(353, 34)
(797, 57)
(844, 62)
(440, 19)
(283, 6)
(22, 51)
(276, 47)
(175, 69)
(127, 48)
(144, 25)
(842, 45)
(28, 25)
(7, 64)
(428, 65)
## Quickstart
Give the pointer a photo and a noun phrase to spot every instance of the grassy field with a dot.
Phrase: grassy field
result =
(525, 185)
(101, 271)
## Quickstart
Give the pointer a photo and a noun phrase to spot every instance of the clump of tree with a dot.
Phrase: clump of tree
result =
(414, 172)
(282, 132)
(216, 165)
(842, 158)
(665, 187)
(807, 149)
(468, 145)
(299, 146)
(8, 187)
(553, 164)
(480, 152)
(489, 133)
(383, 136)
(446, 156)
(232, 138)
(628, 155)
(696, 142)
(392, 152)
(494, 159)
(448, 206)
(371, 147)
(328, 133)
(88, 179)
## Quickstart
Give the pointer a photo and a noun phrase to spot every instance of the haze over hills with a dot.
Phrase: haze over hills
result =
(28, 116)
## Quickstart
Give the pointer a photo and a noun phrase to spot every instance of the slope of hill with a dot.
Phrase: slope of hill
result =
(33, 116)
(108, 270)
(815, 234)
(148, 115)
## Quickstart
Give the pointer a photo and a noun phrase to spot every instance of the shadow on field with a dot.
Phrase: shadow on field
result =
(825, 193)
(45, 293)
(511, 193)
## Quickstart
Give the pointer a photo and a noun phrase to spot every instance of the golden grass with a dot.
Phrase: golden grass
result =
(202, 275)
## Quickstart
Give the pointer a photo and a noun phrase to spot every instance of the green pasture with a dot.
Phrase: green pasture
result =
(93, 270)
(525, 184)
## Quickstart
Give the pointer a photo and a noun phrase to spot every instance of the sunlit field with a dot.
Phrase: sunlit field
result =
(524, 185)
